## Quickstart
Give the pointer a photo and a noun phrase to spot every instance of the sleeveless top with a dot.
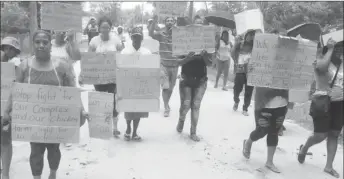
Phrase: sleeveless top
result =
(61, 75)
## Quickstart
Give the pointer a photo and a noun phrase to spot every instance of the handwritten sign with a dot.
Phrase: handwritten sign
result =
(61, 16)
(98, 68)
(193, 38)
(336, 35)
(100, 107)
(282, 62)
(250, 19)
(7, 78)
(170, 9)
(138, 83)
(45, 114)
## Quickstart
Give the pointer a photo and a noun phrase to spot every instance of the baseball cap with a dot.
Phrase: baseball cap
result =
(137, 31)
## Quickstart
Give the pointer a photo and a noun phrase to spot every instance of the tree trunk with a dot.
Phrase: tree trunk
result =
(191, 10)
(33, 19)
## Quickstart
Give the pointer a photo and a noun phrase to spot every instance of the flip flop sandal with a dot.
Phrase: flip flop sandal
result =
(136, 138)
(273, 169)
(332, 172)
(301, 157)
(245, 152)
(166, 113)
(127, 137)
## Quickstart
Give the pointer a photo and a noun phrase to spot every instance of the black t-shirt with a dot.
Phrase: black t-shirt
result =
(196, 68)
(92, 32)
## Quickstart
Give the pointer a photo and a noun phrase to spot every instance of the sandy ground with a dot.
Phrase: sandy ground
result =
(165, 154)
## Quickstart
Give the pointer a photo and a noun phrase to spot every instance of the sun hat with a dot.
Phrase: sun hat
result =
(11, 41)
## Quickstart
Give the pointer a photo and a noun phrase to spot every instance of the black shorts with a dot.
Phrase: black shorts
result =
(333, 121)
(110, 88)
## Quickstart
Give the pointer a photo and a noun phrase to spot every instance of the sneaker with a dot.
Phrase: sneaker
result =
(235, 107)
(245, 113)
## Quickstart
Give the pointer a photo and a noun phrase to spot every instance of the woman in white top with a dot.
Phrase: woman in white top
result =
(223, 49)
(105, 42)
(64, 47)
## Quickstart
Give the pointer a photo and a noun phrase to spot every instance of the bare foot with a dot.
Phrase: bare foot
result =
(195, 138)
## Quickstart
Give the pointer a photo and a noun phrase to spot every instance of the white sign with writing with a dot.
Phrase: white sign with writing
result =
(282, 62)
(138, 83)
(170, 9)
(45, 114)
(193, 38)
(249, 19)
(100, 107)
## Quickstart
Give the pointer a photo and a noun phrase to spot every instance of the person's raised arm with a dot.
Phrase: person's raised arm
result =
(72, 47)
(323, 63)
(151, 30)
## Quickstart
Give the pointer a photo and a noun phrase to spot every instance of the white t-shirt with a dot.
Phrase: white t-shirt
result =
(59, 52)
(131, 50)
(105, 46)
(224, 51)
(244, 58)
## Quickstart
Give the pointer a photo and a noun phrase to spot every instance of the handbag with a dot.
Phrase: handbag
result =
(320, 104)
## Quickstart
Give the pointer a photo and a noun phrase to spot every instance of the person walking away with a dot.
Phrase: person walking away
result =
(192, 86)
(169, 64)
(41, 69)
(105, 42)
(327, 105)
(224, 57)
(241, 54)
(135, 117)
(271, 106)
(10, 50)
(91, 29)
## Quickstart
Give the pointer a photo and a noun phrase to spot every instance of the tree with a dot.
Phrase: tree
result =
(108, 9)
(14, 18)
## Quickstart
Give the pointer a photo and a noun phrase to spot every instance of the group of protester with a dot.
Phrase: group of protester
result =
(51, 65)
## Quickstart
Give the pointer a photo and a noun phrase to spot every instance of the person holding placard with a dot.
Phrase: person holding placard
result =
(41, 69)
(64, 47)
(135, 117)
(327, 105)
(241, 54)
(10, 49)
(105, 42)
(169, 64)
(91, 29)
(192, 86)
(223, 49)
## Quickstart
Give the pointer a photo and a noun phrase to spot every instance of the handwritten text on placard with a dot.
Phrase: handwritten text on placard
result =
(46, 114)
(61, 16)
(281, 62)
(170, 9)
(98, 68)
(100, 107)
(138, 84)
(193, 38)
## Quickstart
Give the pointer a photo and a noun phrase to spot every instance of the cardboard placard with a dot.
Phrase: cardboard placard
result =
(193, 38)
(336, 35)
(61, 16)
(100, 106)
(7, 78)
(282, 62)
(249, 19)
(45, 114)
(170, 9)
(98, 68)
(151, 44)
(138, 83)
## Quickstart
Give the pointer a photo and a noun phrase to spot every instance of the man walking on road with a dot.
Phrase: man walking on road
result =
(169, 64)
(91, 29)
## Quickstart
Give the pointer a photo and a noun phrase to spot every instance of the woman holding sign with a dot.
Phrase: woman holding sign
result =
(192, 86)
(10, 49)
(241, 54)
(41, 69)
(105, 42)
(327, 105)
(135, 48)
